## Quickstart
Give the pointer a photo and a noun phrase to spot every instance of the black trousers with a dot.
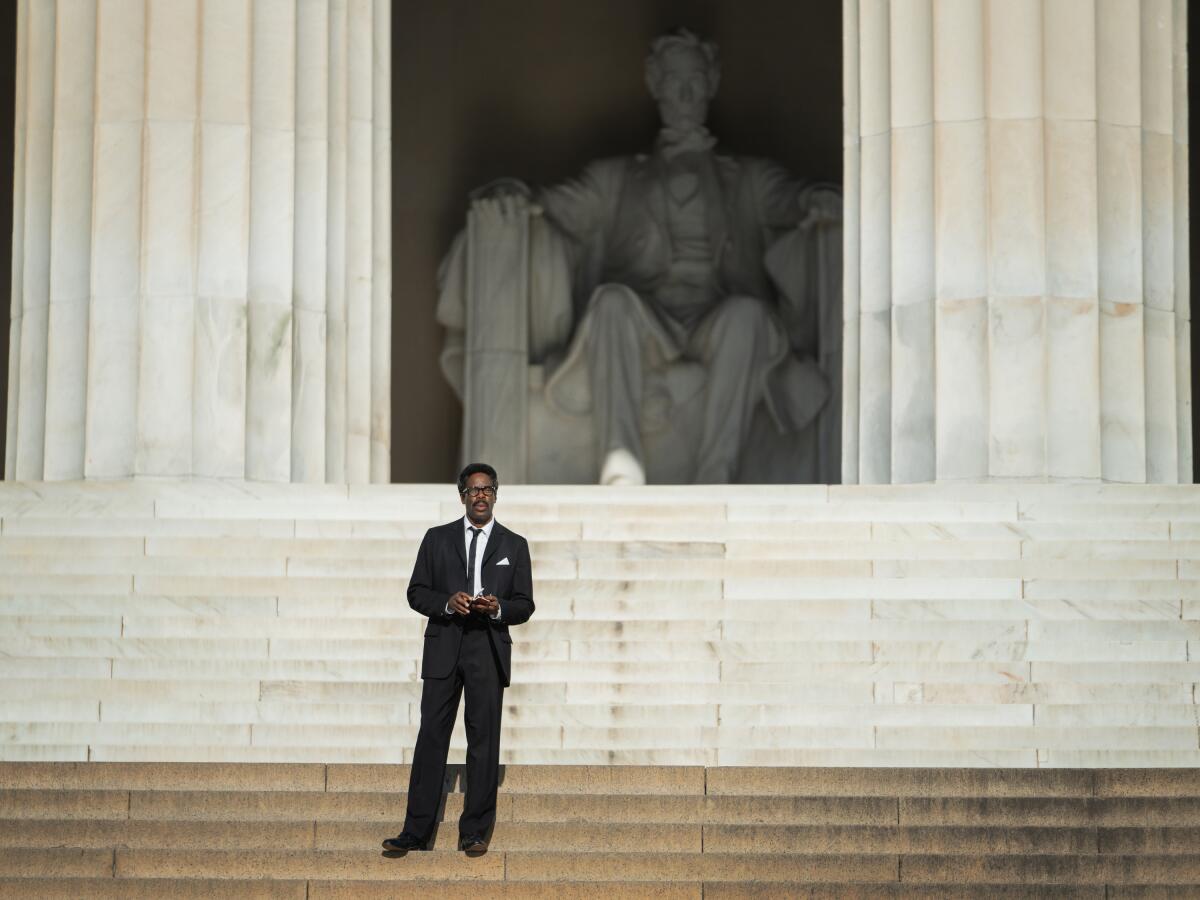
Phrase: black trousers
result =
(478, 673)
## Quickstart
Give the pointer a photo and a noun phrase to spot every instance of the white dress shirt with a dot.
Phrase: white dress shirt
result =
(485, 532)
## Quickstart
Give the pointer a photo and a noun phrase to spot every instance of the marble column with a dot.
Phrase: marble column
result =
(201, 265)
(1016, 290)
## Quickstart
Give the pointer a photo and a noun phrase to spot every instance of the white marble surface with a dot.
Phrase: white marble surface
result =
(958, 624)
(1056, 176)
(178, 163)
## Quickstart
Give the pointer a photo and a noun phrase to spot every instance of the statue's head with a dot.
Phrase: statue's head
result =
(682, 73)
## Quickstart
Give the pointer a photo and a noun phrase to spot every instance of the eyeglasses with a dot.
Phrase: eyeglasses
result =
(487, 490)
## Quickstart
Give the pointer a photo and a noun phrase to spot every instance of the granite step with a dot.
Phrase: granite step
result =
(603, 866)
(313, 830)
(388, 808)
(334, 778)
(351, 835)
(921, 783)
(260, 889)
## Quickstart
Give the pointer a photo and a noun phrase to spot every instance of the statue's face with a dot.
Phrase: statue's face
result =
(683, 88)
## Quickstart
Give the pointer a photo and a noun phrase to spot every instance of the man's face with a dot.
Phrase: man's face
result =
(479, 498)
(683, 90)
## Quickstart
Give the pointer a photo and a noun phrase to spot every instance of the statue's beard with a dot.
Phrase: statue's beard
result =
(683, 131)
(693, 138)
(683, 120)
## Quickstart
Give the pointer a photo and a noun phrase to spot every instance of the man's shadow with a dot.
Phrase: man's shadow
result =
(455, 783)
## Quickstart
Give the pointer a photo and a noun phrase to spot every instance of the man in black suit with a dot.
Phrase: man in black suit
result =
(472, 579)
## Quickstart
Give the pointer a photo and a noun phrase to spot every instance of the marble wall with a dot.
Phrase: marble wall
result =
(201, 255)
(1017, 241)
(202, 241)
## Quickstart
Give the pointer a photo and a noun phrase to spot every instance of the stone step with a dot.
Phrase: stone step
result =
(339, 835)
(407, 646)
(1014, 625)
(119, 776)
(876, 562)
(557, 756)
(515, 866)
(977, 783)
(150, 889)
(261, 889)
(292, 806)
(99, 833)
(667, 739)
(1012, 638)
(820, 744)
(908, 891)
(512, 866)
(258, 889)
(94, 827)
(227, 777)
(312, 806)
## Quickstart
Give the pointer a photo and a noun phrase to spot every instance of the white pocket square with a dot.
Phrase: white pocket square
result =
(503, 562)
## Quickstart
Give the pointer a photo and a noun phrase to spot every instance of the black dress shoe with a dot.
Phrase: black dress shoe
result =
(472, 843)
(404, 842)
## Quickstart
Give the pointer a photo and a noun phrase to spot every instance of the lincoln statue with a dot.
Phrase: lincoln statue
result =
(685, 254)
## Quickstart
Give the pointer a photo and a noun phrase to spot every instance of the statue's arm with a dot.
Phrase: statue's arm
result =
(786, 201)
(580, 207)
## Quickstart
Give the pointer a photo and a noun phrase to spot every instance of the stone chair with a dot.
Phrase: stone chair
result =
(509, 300)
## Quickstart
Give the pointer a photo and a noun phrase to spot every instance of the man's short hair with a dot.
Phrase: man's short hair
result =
(475, 469)
(685, 39)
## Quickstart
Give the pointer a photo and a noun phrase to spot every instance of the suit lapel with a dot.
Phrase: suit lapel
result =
(494, 541)
(455, 530)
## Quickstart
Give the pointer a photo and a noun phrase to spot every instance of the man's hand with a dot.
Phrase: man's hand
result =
(460, 604)
(488, 604)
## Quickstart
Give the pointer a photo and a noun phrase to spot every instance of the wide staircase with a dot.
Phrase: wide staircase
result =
(940, 625)
(727, 690)
(311, 832)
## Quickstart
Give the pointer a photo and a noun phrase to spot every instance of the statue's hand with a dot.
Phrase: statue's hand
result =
(503, 198)
(502, 187)
(820, 206)
(504, 208)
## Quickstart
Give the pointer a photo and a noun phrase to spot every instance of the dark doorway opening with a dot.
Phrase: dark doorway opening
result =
(534, 89)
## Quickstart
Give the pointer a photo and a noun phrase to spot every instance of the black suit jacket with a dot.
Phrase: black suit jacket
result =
(441, 571)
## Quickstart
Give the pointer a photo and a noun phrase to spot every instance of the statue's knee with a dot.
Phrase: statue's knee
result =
(612, 300)
(745, 306)
(744, 313)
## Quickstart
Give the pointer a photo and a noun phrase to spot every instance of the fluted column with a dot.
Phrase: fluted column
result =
(201, 242)
(1017, 241)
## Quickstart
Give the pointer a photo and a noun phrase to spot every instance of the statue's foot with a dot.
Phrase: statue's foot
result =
(621, 467)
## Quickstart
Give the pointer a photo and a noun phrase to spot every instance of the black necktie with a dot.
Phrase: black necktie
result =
(471, 561)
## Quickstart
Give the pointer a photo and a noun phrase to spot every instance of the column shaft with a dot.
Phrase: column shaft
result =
(381, 257)
(912, 231)
(17, 292)
(874, 243)
(310, 261)
(852, 219)
(70, 239)
(115, 320)
(1052, 256)
(270, 327)
(32, 301)
(201, 198)
(335, 272)
(960, 240)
